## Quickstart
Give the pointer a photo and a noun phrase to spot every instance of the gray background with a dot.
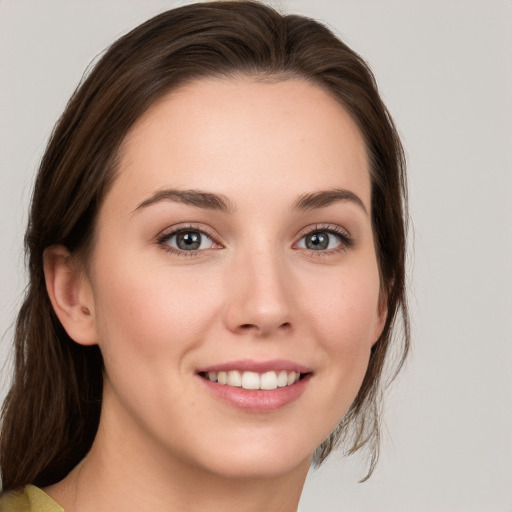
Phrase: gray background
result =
(445, 71)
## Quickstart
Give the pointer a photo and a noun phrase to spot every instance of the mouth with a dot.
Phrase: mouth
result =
(250, 380)
(256, 386)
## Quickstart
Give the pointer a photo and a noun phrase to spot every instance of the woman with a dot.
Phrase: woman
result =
(216, 252)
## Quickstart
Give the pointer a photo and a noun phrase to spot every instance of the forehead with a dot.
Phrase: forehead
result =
(244, 136)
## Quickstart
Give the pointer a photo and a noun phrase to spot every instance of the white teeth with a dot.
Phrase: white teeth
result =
(291, 378)
(250, 380)
(253, 380)
(282, 379)
(269, 380)
(234, 378)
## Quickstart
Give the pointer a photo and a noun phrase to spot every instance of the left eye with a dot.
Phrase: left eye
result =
(319, 241)
(189, 240)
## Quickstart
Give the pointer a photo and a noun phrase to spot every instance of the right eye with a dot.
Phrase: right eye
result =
(186, 240)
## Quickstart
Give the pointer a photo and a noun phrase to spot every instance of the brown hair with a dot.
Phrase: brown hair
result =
(51, 413)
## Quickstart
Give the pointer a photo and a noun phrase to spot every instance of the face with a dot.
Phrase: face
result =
(234, 281)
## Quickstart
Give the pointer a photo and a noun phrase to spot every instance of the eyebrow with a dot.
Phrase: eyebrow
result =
(219, 202)
(196, 198)
(325, 198)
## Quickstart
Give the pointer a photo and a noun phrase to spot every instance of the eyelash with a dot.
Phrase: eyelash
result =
(167, 235)
(346, 241)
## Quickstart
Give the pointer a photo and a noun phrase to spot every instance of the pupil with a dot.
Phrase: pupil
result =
(189, 241)
(317, 241)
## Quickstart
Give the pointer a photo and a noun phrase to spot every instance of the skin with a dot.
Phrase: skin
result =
(256, 292)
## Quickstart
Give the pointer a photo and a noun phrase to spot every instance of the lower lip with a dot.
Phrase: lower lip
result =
(257, 400)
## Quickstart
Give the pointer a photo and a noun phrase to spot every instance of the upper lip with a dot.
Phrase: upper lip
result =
(249, 365)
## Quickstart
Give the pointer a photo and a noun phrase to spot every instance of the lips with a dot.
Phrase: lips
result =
(257, 386)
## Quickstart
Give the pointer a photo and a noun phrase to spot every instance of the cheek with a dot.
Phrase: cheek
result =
(345, 309)
(343, 315)
(153, 315)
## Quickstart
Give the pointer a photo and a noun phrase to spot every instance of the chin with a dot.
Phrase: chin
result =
(265, 458)
(247, 467)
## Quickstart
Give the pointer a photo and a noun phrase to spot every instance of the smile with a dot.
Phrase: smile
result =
(252, 380)
(256, 386)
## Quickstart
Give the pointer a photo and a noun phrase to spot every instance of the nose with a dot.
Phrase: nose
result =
(258, 296)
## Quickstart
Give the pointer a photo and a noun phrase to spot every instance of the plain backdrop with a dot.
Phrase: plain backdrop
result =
(445, 71)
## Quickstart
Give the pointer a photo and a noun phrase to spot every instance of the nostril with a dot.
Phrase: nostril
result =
(263, 330)
(249, 327)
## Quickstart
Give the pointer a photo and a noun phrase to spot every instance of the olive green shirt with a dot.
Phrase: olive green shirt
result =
(31, 499)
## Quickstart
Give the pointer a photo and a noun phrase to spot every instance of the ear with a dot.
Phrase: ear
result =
(382, 316)
(70, 294)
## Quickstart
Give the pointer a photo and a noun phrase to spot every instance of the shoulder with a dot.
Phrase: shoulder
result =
(30, 499)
